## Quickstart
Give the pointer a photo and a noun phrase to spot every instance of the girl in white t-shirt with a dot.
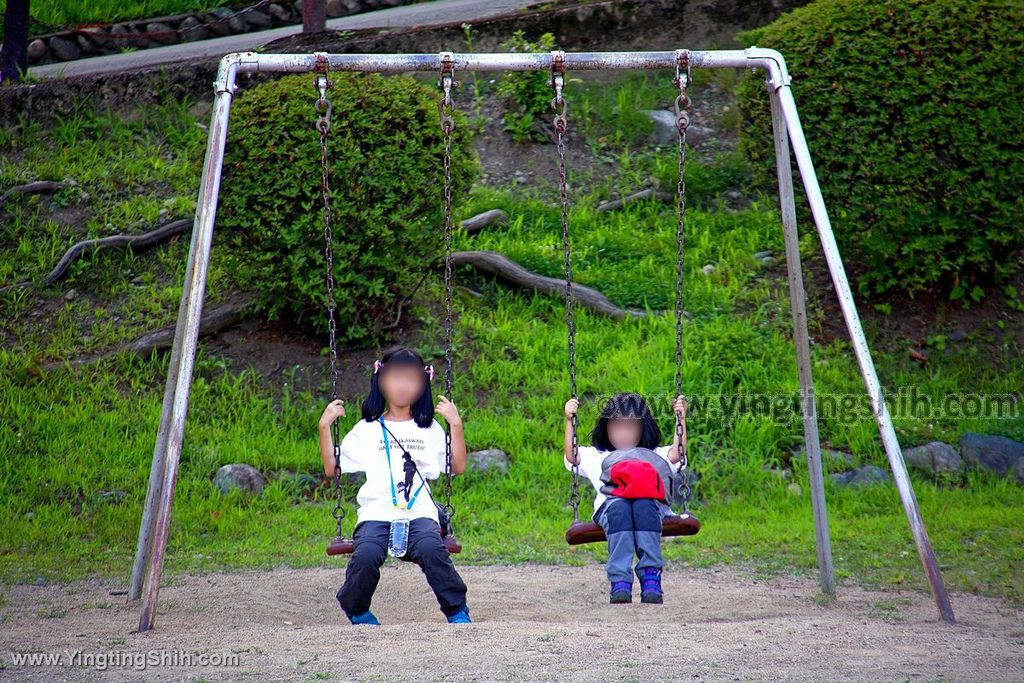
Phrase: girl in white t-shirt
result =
(631, 524)
(399, 445)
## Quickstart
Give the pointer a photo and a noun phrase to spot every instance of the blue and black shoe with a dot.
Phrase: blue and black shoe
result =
(650, 585)
(621, 592)
(460, 617)
(365, 618)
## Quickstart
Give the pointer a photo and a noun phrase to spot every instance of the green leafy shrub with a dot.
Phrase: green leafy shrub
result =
(913, 116)
(386, 159)
(530, 92)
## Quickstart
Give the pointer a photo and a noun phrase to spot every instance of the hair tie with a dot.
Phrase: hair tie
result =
(430, 371)
(376, 365)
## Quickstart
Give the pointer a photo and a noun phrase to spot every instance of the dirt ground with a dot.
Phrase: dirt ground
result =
(532, 623)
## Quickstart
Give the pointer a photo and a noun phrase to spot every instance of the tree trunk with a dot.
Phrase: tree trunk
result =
(14, 54)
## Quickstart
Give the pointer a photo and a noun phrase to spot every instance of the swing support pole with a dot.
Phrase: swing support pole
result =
(153, 532)
(801, 340)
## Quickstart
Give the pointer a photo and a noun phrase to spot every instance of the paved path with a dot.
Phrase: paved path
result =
(421, 14)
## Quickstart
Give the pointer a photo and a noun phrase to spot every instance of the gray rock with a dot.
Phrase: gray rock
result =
(85, 45)
(217, 20)
(355, 7)
(795, 489)
(934, 457)
(239, 476)
(191, 29)
(665, 131)
(829, 458)
(96, 34)
(862, 476)
(995, 453)
(763, 254)
(40, 581)
(237, 25)
(280, 13)
(115, 496)
(335, 8)
(64, 50)
(696, 135)
(490, 459)
(257, 19)
(161, 33)
(120, 43)
(708, 269)
(36, 50)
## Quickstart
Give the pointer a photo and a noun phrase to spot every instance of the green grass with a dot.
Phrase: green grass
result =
(51, 15)
(68, 435)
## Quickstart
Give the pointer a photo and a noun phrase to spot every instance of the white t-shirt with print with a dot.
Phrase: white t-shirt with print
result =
(362, 450)
(590, 467)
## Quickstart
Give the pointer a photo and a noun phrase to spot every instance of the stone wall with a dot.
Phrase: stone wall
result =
(103, 39)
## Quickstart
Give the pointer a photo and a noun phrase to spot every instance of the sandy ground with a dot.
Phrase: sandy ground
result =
(533, 623)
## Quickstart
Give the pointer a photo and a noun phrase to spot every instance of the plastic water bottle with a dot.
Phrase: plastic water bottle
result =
(398, 540)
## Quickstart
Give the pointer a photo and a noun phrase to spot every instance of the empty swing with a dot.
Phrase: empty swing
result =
(340, 545)
(683, 524)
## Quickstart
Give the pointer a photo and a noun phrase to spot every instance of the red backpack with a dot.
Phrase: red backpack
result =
(636, 479)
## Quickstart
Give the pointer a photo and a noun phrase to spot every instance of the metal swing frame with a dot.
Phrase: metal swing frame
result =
(788, 135)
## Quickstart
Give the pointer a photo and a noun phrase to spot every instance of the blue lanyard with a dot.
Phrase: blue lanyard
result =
(407, 505)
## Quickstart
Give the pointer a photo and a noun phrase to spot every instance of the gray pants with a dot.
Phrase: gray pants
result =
(633, 527)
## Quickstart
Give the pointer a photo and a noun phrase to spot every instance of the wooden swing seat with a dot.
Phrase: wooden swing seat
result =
(344, 546)
(581, 532)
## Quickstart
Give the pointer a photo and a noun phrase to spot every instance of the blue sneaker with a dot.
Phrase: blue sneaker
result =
(365, 618)
(460, 617)
(650, 585)
(621, 592)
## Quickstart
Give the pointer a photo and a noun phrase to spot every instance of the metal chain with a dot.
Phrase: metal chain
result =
(323, 124)
(446, 110)
(558, 104)
(682, 103)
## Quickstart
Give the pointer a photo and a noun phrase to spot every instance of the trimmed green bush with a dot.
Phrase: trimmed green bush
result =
(386, 159)
(913, 116)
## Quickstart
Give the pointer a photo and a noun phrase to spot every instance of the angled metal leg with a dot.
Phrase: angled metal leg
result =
(186, 338)
(860, 348)
(812, 443)
(144, 546)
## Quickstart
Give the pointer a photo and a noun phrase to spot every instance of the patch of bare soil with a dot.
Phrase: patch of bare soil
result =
(922, 326)
(532, 623)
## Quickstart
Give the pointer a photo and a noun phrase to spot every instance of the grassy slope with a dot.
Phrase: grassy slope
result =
(68, 435)
(52, 15)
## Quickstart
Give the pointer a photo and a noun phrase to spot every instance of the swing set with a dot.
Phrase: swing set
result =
(786, 130)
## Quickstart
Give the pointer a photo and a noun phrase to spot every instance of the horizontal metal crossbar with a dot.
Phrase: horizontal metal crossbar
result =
(253, 62)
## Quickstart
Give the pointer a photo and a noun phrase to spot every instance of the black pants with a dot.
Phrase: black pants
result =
(425, 546)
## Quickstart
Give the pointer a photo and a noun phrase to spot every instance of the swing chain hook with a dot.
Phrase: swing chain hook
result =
(446, 112)
(557, 82)
(445, 107)
(322, 83)
(682, 104)
(323, 125)
(682, 80)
